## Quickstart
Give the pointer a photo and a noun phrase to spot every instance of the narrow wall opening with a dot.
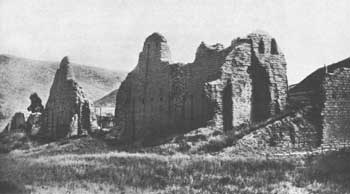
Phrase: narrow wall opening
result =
(133, 120)
(227, 106)
(261, 47)
(261, 99)
(85, 119)
(274, 49)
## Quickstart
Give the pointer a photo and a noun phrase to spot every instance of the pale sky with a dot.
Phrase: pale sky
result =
(110, 33)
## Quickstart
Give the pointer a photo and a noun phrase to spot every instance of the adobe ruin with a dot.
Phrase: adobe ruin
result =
(68, 111)
(224, 87)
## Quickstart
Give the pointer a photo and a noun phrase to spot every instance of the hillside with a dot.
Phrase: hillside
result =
(19, 77)
(108, 100)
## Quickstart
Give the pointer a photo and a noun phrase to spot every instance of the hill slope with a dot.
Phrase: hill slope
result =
(108, 100)
(20, 77)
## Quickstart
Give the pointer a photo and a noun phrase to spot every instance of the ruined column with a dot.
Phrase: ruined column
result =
(68, 111)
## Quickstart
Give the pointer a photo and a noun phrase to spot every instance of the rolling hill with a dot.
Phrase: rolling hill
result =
(19, 77)
(108, 100)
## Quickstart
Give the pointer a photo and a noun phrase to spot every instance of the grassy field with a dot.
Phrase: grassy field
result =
(122, 172)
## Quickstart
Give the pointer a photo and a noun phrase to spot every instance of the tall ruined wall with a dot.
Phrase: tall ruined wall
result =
(269, 73)
(231, 91)
(221, 88)
(336, 111)
(67, 112)
(158, 98)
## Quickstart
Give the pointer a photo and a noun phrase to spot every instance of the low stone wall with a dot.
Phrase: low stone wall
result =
(336, 111)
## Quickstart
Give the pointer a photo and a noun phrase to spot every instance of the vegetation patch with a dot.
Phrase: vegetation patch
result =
(124, 172)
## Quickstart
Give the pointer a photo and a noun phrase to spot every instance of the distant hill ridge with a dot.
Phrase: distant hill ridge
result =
(108, 100)
(19, 77)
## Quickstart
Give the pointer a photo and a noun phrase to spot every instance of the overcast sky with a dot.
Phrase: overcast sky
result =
(110, 33)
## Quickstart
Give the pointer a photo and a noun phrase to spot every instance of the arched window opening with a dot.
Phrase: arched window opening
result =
(261, 99)
(192, 107)
(227, 107)
(261, 47)
(274, 50)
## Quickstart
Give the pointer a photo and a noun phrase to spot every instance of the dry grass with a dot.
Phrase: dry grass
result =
(123, 172)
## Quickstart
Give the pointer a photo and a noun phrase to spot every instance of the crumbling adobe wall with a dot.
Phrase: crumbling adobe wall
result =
(231, 91)
(68, 111)
(336, 110)
(258, 77)
(221, 88)
(326, 90)
(158, 98)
